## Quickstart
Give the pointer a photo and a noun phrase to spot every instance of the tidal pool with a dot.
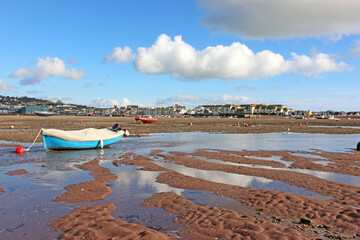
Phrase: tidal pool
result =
(26, 206)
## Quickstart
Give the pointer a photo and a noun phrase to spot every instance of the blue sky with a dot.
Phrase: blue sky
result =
(303, 54)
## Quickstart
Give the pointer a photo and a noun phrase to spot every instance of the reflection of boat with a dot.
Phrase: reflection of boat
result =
(44, 114)
(146, 119)
(55, 139)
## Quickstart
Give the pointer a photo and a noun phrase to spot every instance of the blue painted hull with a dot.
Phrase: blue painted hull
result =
(53, 143)
(44, 114)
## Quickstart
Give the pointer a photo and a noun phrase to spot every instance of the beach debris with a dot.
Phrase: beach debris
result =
(116, 163)
(307, 222)
(190, 124)
(358, 146)
(324, 226)
(15, 228)
(19, 150)
(275, 219)
(11, 127)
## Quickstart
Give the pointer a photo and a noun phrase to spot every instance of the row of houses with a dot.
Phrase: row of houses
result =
(67, 109)
(241, 110)
(236, 110)
(131, 110)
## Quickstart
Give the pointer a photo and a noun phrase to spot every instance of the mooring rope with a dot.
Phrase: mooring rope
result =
(33, 142)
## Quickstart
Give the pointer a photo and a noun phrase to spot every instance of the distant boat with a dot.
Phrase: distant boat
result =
(56, 139)
(44, 114)
(146, 119)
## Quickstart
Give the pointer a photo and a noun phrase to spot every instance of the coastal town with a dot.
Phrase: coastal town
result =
(29, 106)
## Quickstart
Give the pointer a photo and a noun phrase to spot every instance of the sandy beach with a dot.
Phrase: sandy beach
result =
(166, 187)
(26, 128)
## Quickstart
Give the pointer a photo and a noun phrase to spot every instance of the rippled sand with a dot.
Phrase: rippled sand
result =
(173, 186)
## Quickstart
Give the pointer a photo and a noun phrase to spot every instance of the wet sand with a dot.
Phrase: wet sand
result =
(202, 222)
(89, 191)
(96, 222)
(332, 213)
(339, 220)
(26, 128)
(17, 172)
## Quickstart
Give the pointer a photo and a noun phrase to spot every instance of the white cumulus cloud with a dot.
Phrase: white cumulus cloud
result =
(107, 103)
(186, 99)
(46, 68)
(318, 63)
(282, 18)
(119, 55)
(355, 52)
(5, 86)
(237, 61)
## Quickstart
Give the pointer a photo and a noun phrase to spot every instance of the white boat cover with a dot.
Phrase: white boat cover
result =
(84, 135)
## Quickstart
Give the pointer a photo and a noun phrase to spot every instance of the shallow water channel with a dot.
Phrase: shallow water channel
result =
(26, 206)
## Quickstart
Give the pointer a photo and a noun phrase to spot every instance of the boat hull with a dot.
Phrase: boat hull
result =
(146, 120)
(54, 143)
(43, 114)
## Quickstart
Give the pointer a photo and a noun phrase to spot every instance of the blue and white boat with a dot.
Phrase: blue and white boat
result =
(55, 139)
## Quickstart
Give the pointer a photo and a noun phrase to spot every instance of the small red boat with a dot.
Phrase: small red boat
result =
(146, 119)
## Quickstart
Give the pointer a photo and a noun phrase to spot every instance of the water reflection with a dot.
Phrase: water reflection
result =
(26, 201)
(326, 163)
(239, 180)
(12, 129)
(337, 177)
(189, 142)
(131, 180)
(308, 155)
(354, 127)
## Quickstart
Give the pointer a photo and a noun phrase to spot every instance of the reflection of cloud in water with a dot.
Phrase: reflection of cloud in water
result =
(239, 180)
(191, 141)
(342, 178)
(56, 178)
(326, 163)
(308, 155)
(130, 178)
(337, 177)
(215, 176)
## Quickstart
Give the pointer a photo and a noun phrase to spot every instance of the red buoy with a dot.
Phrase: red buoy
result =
(80, 121)
(300, 124)
(306, 123)
(19, 150)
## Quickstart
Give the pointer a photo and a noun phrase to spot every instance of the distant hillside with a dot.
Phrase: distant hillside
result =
(7, 100)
